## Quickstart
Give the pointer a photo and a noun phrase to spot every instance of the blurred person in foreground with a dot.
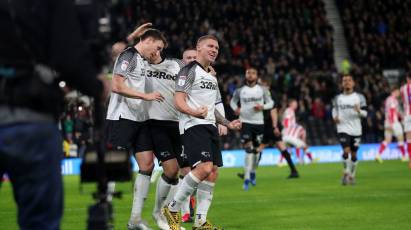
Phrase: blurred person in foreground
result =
(35, 54)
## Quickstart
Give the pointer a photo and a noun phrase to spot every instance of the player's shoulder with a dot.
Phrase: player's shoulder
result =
(127, 62)
(338, 96)
(170, 64)
(128, 53)
(360, 95)
(261, 87)
(174, 61)
(189, 68)
(180, 63)
(240, 88)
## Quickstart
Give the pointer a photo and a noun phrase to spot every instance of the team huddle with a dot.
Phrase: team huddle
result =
(172, 110)
(169, 109)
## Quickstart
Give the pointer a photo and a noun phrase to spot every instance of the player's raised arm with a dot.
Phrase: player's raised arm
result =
(139, 31)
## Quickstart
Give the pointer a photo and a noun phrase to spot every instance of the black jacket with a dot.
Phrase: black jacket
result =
(47, 32)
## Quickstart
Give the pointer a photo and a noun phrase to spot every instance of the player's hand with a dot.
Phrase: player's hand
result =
(139, 31)
(336, 120)
(234, 125)
(259, 149)
(212, 71)
(258, 107)
(201, 112)
(154, 96)
(277, 132)
(237, 111)
(222, 130)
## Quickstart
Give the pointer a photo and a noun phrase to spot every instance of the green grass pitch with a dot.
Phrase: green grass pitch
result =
(380, 200)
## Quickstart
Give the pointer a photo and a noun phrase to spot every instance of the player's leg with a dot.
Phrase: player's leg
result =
(298, 144)
(407, 130)
(298, 155)
(310, 155)
(287, 144)
(205, 193)
(346, 165)
(187, 208)
(247, 143)
(257, 140)
(248, 163)
(283, 149)
(355, 144)
(387, 140)
(345, 144)
(280, 162)
(408, 136)
(399, 134)
(307, 151)
(163, 149)
(205, 189)
(145, 161)
(197, 146)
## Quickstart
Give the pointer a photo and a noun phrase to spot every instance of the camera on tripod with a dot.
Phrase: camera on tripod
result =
(117, 165)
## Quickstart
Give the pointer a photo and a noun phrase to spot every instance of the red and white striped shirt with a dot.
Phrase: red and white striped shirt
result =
(296, 131)
(288, 118)
(392, 110)
(406, 98)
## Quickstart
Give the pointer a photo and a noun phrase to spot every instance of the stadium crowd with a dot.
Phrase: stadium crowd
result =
(290, 43)
(378, 32)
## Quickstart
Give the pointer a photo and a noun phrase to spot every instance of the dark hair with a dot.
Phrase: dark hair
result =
(394, 87)
(190, 48)
(347, 75)
(291, 100)
(208, 36)
(252, 67)
(156, 35)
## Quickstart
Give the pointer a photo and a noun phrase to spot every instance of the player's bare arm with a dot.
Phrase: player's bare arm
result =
(118, 86)
(139, 31)
(274, 118)
(361, 111)
(182, 106)
(233, 125)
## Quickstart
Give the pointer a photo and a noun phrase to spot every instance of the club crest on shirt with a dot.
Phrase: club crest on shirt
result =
(124, 65)
(182, 80)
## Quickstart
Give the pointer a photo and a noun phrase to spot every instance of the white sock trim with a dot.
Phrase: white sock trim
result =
(190, 174)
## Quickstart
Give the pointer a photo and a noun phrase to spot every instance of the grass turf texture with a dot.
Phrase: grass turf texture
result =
(380, 200)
